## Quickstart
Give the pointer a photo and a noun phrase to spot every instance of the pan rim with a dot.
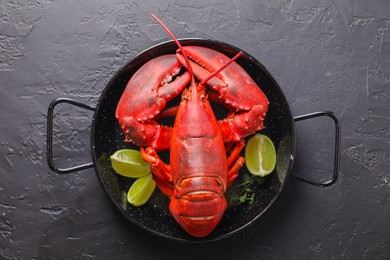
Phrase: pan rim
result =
(135, 59)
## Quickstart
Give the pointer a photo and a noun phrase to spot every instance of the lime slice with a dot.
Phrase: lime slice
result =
(260, 155)
(129, 163)
(141, 190)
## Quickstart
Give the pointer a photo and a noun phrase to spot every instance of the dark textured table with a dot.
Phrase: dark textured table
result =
(326, 55)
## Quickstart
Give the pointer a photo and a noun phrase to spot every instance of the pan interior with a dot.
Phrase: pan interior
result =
(107, 137)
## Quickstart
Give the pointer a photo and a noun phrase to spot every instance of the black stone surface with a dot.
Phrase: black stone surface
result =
(326, 55)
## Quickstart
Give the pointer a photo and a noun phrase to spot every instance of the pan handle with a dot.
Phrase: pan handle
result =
(336, 161)
(49, 147)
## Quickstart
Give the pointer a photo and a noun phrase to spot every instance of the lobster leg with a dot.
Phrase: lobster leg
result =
(168, 112)
(235, 153)
(235, 162)
(161, 172)
(233, 171)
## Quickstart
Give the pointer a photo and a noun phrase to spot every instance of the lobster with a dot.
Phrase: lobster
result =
(204, 152)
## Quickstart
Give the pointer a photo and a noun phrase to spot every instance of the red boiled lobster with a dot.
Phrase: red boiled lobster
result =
(200, 170)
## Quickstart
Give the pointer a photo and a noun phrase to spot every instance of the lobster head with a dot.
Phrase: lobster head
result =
(198, 211)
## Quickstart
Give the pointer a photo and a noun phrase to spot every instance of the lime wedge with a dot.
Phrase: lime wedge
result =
(260, 155)
(141, 190)
(129, 163)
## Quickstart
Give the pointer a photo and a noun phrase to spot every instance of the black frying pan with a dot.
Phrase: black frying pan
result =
(107, 137)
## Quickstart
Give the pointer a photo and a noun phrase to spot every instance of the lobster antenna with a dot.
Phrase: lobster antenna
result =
(221, 68)
(180, 47)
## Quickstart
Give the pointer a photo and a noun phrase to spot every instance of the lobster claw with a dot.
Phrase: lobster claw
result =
(235, 89)
(145, 96)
